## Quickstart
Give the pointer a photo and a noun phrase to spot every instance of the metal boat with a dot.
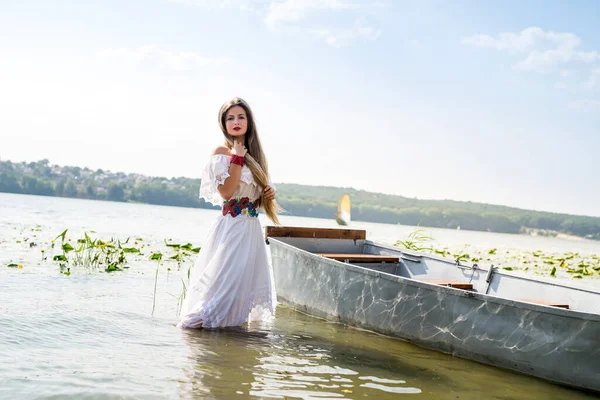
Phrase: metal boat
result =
(541, 327)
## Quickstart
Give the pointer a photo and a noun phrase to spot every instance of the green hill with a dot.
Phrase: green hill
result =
(41, 178)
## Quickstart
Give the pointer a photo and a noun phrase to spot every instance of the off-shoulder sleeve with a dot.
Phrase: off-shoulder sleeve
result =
(214, 174)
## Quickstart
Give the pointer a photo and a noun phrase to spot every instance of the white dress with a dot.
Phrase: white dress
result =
(231, 281)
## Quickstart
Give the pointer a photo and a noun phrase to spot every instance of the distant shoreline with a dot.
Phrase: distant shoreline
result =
(556, 235)
(42, 178)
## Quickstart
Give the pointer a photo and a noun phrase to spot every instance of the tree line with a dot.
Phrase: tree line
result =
(41, 178)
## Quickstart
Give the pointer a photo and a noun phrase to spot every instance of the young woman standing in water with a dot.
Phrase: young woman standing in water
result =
(231, 283)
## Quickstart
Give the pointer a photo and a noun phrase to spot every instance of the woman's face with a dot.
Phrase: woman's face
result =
(236, 121)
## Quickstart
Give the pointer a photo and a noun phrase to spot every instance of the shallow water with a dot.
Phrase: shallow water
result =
(91, 335)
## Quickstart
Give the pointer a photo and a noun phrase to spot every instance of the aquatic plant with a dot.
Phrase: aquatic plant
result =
(416, 241)
(180, 254)
(109, 255)
(157, 257)
(97, 254)
(569, 265)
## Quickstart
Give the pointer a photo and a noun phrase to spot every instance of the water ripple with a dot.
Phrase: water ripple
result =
(92, 335)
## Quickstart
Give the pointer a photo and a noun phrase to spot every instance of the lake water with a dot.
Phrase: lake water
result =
(92, 335)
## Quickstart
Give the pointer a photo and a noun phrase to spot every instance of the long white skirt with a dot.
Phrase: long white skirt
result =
(231, 282)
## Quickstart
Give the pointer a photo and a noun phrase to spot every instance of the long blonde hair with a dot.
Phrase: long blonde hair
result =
(255, 158)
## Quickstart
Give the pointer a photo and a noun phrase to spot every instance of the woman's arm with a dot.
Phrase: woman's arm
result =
(227, 189)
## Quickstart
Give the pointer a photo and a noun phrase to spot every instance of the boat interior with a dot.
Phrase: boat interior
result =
(350, 246)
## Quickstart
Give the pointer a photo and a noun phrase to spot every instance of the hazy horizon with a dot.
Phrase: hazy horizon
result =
(295, 183)
(468, 101)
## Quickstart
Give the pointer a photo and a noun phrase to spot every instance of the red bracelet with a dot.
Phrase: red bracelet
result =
(237, 160)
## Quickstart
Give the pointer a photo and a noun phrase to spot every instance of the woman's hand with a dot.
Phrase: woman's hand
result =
(239, 149)
(268, 193)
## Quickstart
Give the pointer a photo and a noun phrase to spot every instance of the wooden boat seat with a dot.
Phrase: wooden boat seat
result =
(361, 258)
(546, 303)
(449, 283)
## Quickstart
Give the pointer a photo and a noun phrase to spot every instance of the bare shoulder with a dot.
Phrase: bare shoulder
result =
(224, 150)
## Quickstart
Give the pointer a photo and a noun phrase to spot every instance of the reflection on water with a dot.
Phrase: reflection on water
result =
(261, 361)
(307, 358)
(92, 335)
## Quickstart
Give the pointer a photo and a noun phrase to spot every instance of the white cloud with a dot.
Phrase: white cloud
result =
(298, 16)
(295, 10)
(293, 16)
(152, 54)
(342, 37)
(524, 41)
(544, 49)
(589, 56)
(216, 4)
(590, 84)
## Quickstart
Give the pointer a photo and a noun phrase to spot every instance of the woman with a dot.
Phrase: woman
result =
(231, 280)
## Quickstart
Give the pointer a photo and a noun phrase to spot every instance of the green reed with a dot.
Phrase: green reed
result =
(181, 252)
(108, 255)
(416, 241)
(93, 254)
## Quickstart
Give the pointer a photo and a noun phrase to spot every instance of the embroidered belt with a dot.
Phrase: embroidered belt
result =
(238, 206)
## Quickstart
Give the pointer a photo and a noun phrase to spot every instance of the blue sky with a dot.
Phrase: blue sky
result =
(465, 100)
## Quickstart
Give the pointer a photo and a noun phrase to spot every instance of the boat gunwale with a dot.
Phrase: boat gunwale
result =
(569, 313)
(485, 268)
